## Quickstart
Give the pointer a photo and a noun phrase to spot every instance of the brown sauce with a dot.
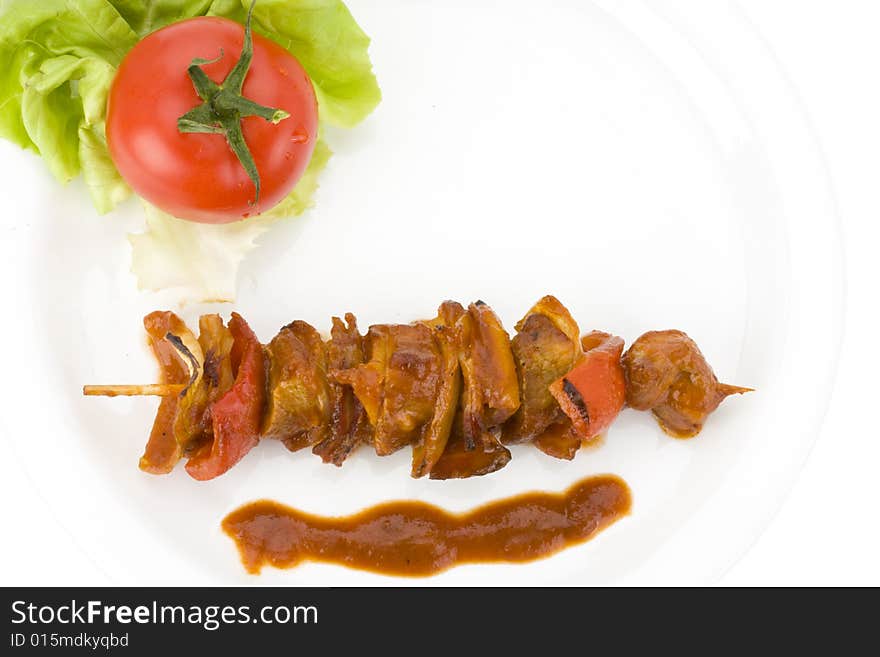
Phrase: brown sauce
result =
(410, 538)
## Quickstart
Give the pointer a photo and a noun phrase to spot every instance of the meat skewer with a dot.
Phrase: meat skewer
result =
(457, 389)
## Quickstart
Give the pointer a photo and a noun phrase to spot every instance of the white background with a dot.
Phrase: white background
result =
(827, 531)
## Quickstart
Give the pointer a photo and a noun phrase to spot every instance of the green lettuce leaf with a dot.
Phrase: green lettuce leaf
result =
(145, 16)
(59, 59)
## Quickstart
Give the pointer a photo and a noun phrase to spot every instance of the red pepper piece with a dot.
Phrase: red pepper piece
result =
(236, 415)
(593, 393)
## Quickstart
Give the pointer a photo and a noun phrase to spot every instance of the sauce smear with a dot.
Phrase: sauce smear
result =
(415, 539)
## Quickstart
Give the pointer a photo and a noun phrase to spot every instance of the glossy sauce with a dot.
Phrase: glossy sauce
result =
(410, 538)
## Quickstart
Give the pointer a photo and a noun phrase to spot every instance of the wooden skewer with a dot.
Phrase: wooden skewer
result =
(733, 390)
(153, 389)
(148, 390)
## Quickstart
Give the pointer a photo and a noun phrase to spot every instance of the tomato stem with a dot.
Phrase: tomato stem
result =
(224, 105)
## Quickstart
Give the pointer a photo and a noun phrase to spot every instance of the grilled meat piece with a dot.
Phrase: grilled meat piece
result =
(298, 408)
(399, 383)
(349, 425)
(667, 374)
(546, 346)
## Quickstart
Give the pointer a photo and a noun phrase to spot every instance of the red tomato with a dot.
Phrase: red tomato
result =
(197, 176)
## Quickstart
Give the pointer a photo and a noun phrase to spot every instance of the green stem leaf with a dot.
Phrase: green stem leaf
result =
(201, 61)
(227, 104)
(235, 79)
(206, 88)
(224, 106)
(200, 119)
(235, 137)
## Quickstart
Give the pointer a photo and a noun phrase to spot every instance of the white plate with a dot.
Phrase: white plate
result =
(645, 162)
